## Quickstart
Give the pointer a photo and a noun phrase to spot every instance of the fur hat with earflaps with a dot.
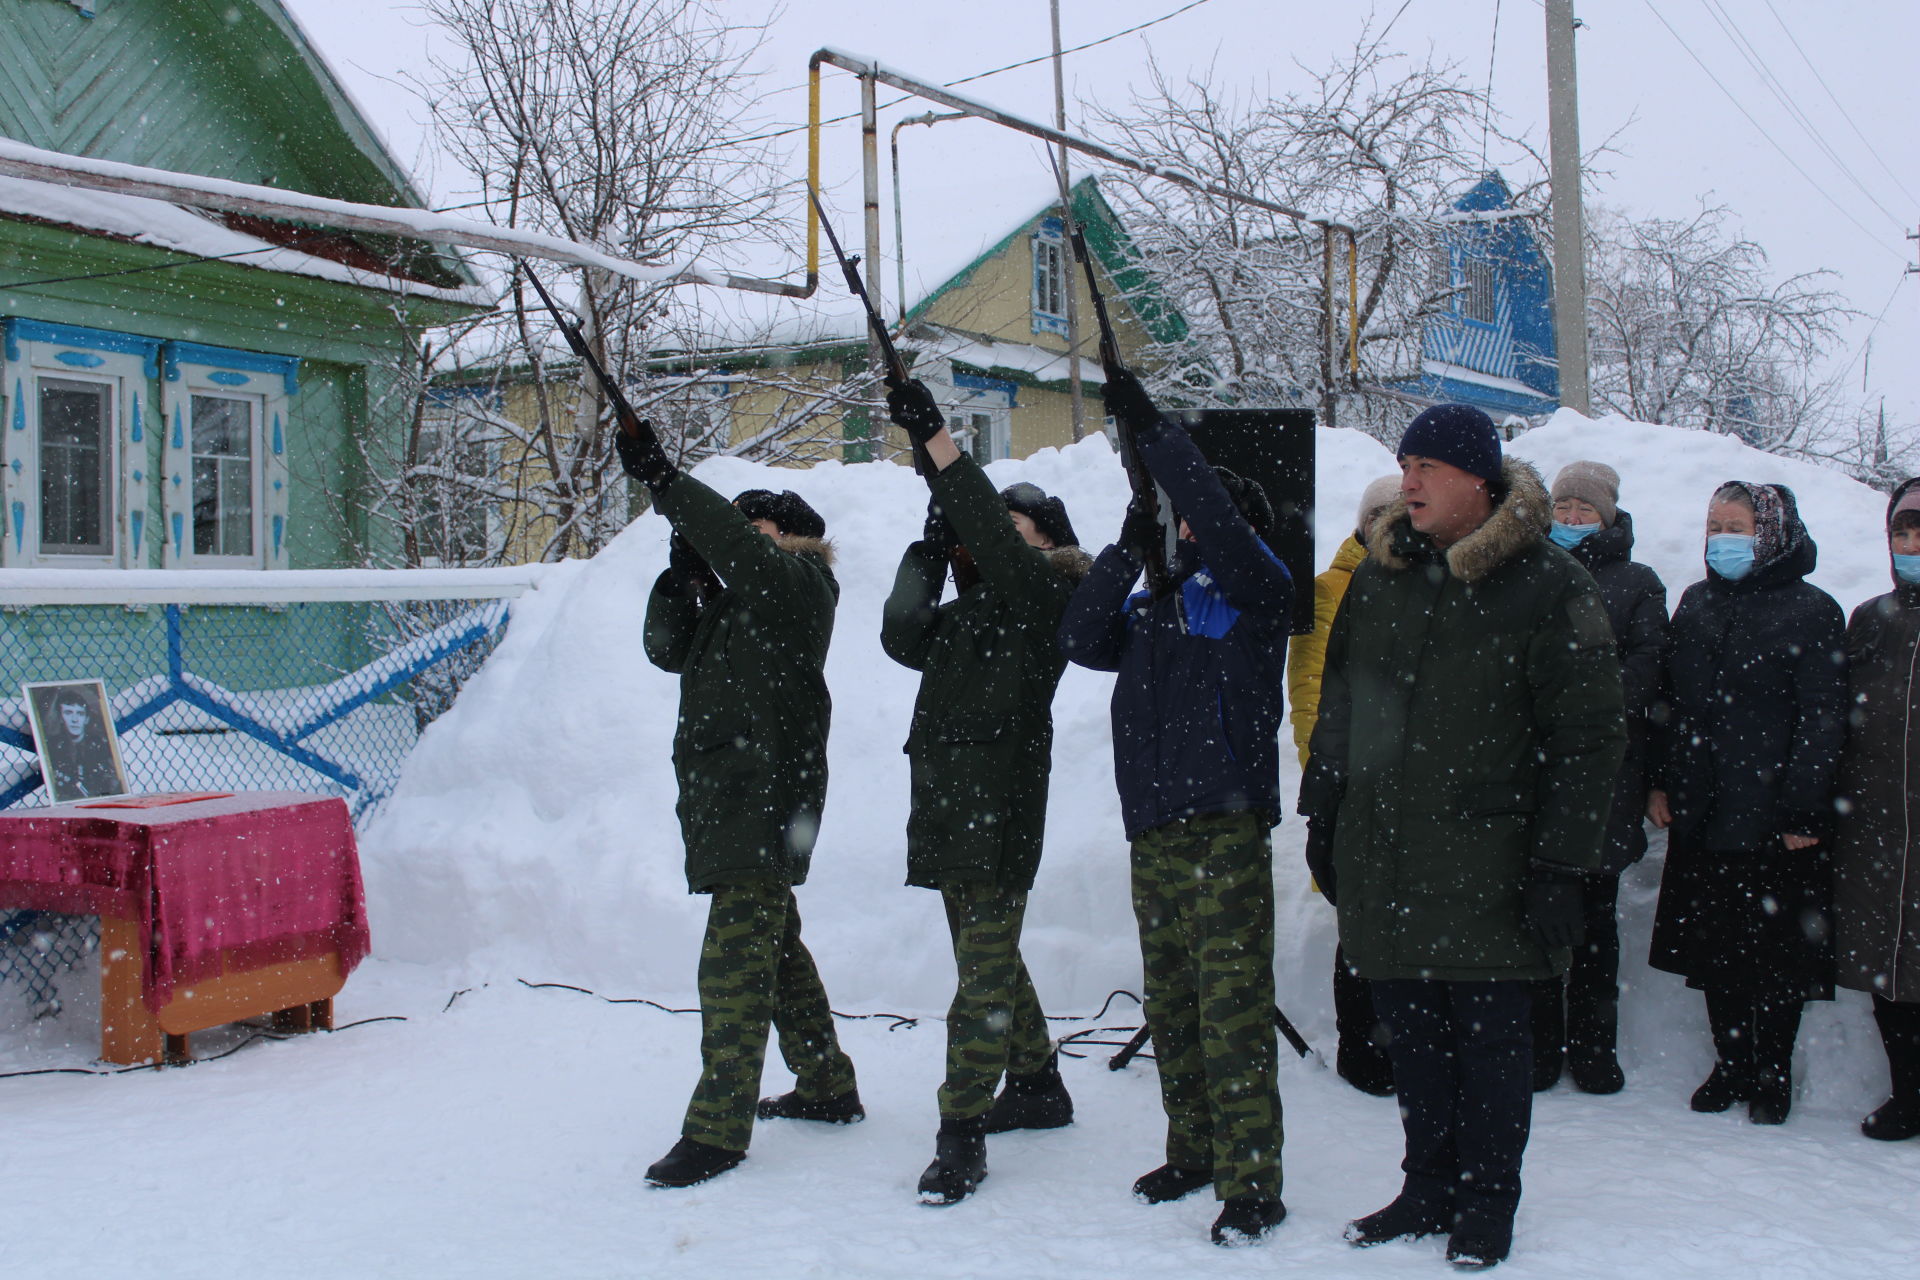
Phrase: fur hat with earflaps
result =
(788, 510)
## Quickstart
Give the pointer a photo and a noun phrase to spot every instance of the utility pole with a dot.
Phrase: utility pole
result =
(1070, 284)
(1569, 230)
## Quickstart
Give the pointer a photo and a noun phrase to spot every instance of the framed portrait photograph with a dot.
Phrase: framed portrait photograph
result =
(73, 732)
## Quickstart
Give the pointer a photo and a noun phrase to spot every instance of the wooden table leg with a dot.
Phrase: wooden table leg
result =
(179, 1051)
(129, 1033)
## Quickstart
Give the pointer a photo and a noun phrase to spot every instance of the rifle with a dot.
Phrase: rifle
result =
(896, 374)
(965, 572)
(1158, 553)
(623, 412)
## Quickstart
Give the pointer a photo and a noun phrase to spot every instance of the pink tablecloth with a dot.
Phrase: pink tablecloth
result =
(264, 876)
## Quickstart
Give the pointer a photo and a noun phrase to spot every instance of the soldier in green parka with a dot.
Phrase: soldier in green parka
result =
(743, 614)
(1460, 775)
(980, 749)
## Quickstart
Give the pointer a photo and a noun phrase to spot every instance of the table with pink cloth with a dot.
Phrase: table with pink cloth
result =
(202, 889)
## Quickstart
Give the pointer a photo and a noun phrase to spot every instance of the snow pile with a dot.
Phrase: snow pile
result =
(533, 832)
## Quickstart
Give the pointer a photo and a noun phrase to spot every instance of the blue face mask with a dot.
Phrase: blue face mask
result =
(1730, 555)
(1907, 568)
(1572, 535)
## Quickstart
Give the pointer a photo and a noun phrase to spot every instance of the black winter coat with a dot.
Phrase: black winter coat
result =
(1469, 732)
(1636, 603)
(981, 744)
(1201, 688)
(1876, 852)
(1754, 701)
(750, 746)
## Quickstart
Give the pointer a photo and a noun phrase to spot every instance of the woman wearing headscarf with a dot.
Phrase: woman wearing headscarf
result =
(1577, 1018)
(1744, 769)
(1876, 854)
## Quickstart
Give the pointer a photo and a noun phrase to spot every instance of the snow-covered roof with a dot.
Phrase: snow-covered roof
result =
(168, 226)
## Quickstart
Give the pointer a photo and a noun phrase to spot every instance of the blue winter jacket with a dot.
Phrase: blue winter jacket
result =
(1201, 689)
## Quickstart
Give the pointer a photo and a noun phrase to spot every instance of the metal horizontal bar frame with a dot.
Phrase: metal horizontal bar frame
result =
(866, 67)
(18, 587)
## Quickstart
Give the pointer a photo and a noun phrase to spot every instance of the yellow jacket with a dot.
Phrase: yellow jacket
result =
(1308, 654)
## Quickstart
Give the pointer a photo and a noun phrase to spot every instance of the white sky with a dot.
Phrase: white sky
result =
(1680, 138)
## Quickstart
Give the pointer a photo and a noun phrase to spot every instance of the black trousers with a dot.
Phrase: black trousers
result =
(1580, 1013)
(1463, 1066)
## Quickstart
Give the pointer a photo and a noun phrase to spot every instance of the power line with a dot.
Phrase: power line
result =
(1771, 141)
(1844, 113)
(1486, 117)
(194, 260)
(1771, 82)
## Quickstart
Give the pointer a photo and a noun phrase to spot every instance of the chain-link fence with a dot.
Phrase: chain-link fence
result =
(278, 685)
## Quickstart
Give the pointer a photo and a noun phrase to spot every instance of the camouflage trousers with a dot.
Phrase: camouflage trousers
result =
(994, 1024)
(755, 972)
(1203, 898)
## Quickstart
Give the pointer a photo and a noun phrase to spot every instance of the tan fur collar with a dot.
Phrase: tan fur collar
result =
(799, 545)
(1521, 519)
(1070, 563)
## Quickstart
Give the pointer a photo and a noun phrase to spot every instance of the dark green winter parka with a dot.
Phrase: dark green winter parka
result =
(1471, 724)
(981, 742)
(750, 748)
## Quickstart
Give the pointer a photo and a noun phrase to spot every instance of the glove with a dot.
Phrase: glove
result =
(1553, 907)
(643, 458)
(1320, 856)
(1128, 403)
(1141, 528)
(936, 532)
(912, 409)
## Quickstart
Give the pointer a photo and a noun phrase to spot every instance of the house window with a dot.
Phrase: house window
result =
(75, 445)
(76, 467)
(454, 521)
(224, 434)
(224, 475)
(1050, 278)
(1476, 299)
(980, 416)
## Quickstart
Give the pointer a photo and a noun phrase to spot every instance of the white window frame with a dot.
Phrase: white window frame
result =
(36, 350)
(1050, 275)
(449, 417)
(971, 409)
(254, 557)
(269, 382)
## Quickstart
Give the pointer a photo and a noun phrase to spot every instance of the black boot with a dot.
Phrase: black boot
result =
(1405, 1219)
(1776, 1024)
(691, 1162)
(1481, 1240)
(1170, 1182)
(1730, 1014)
(1246, 1220)
(1899, 1117)
(1549, 1032)
(959, 1162)
(845, 1109)
(1036, 1100)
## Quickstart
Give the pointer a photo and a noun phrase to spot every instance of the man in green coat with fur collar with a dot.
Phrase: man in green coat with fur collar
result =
(981, 748)
(743, 614)
(1461, 772)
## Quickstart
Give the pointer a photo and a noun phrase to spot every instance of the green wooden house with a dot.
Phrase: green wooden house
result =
(184, 389)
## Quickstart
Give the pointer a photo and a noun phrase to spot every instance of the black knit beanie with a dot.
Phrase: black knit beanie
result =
(788, 510)
(1458, 434)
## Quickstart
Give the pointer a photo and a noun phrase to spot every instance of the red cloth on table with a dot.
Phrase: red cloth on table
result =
(265, 876)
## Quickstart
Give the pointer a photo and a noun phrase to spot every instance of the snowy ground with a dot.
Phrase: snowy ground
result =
(531, 838)
(506, 1136)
